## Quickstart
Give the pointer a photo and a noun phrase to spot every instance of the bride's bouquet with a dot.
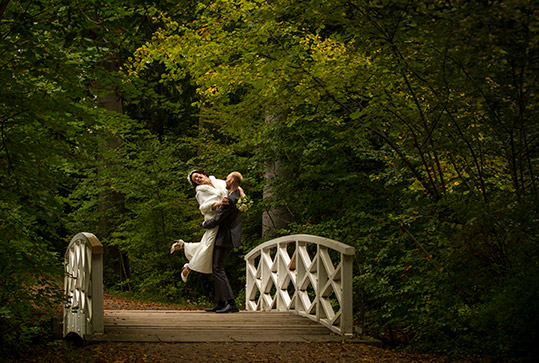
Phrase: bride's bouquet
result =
(244, 203)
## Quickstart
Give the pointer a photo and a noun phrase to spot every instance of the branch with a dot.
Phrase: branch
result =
(3, 6)
(427, 255)
(403, 157)
(4, 144)
(418, 147)
(472, 152)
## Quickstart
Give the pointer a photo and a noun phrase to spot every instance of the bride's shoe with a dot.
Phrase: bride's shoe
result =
(178, 245)
(185, 272)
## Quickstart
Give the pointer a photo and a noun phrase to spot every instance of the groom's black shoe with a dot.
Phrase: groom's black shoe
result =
(228, 309)
(215, 308)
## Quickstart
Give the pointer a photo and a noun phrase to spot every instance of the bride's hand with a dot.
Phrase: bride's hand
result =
(216, 205)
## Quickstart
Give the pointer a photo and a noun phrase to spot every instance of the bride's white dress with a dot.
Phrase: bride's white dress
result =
(200, 254)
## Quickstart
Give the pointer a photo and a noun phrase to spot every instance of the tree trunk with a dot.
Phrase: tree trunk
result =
(111, 203)
(108, 198)
(277, 217)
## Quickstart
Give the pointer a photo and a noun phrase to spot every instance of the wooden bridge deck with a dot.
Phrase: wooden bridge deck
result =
(200, 326)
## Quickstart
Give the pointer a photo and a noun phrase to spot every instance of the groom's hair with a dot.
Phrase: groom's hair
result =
(238, 178)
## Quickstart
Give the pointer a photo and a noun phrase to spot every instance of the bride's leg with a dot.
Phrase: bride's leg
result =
(190, 249)
(185, 272)
(201, 261)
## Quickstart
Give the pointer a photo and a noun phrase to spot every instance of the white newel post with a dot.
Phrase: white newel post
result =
(347, 282)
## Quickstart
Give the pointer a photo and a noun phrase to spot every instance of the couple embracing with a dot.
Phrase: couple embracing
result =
(223, 223)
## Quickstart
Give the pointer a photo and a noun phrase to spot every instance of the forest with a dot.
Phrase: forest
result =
(406, 129)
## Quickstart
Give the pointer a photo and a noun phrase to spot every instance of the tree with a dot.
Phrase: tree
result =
(397, 99)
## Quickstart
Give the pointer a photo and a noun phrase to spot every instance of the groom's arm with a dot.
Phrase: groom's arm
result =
(222, 213)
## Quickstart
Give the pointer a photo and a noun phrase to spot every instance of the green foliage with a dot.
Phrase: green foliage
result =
(29, 292)
(155, 204)
(43, 121)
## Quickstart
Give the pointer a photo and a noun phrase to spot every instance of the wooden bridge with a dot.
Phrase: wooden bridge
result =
(298, 288)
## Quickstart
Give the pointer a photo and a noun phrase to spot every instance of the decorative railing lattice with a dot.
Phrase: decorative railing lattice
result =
(83, 284)
(305, 274)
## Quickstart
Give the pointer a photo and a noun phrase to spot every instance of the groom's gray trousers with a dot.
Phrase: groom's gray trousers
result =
(223, 290)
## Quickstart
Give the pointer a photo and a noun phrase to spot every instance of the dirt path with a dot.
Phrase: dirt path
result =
(240, 352)
(117, 352)
(225, 352)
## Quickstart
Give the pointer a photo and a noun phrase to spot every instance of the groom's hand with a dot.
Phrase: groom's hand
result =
(222, 213)
(216, 205)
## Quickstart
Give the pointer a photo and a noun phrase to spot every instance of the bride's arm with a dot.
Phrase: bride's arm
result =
(207, 202)
(224, 201)
(242, 193)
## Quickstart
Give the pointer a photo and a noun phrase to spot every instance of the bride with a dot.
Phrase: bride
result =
(210, 194)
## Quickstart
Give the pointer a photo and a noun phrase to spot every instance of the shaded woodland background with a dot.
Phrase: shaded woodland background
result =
(407, 129)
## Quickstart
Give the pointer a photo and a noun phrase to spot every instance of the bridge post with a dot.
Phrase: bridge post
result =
(98, 299)
(347, 282)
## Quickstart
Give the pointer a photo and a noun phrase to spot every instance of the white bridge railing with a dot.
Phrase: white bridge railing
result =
(83, 284)
(305, 274)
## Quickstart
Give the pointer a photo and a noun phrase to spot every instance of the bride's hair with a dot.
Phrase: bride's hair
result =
(199, 171)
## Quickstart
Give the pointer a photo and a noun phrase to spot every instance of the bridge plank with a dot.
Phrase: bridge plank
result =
(200, 326)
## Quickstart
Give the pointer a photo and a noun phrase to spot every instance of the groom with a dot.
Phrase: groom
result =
(228, 218)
